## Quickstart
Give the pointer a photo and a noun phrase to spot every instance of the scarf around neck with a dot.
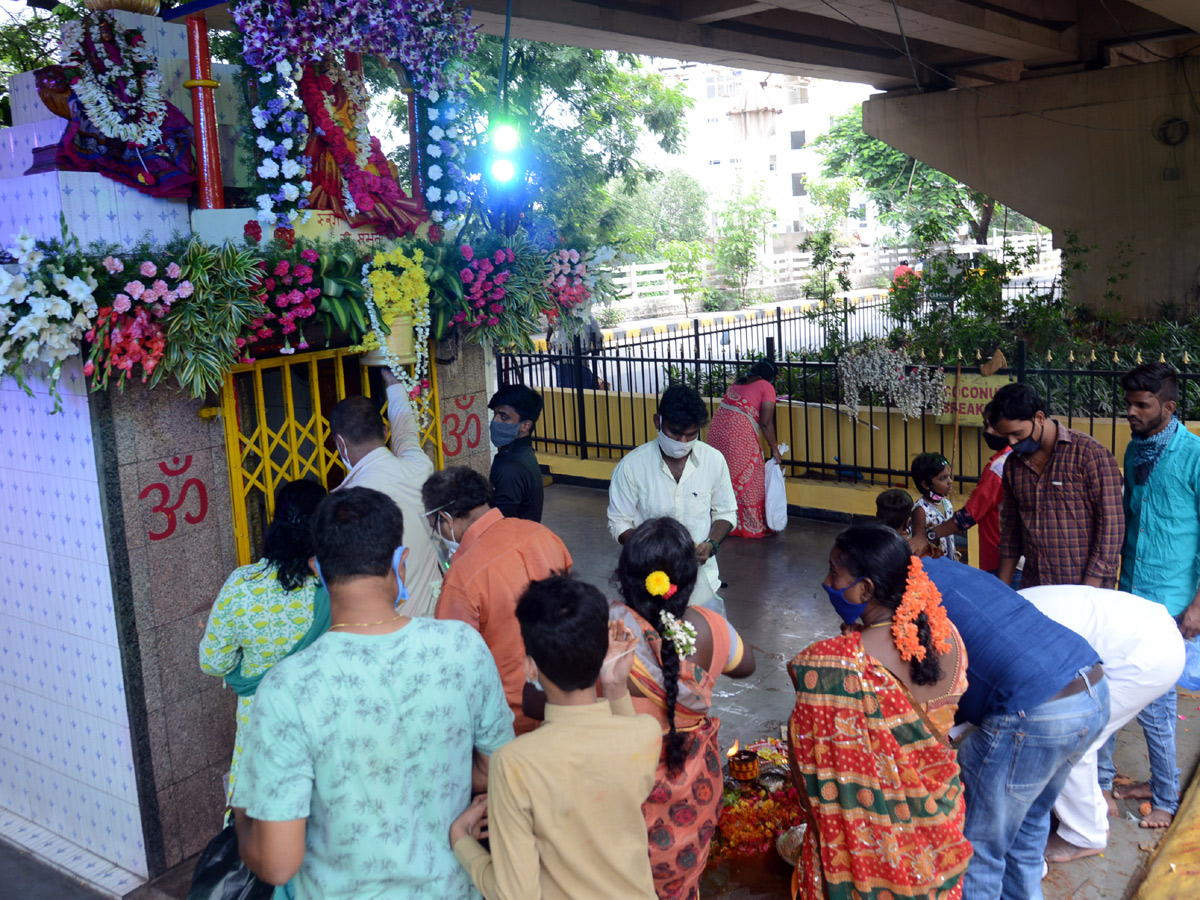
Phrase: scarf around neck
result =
(1150, 449)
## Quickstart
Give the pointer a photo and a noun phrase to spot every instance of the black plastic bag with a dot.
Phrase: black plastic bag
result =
(221, 875)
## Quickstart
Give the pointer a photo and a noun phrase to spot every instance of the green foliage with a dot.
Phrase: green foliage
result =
(202, 330)
(741, 230)
(582, 114)
(685, 269)
(609, 316)
(830, 275)
(831, 199)
(671, 207)
(908, 193)
(29, 40)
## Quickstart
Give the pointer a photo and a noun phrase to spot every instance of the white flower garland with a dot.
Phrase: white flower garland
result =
(910, 387)
(421, 321)
(681, 634)
(141, 120)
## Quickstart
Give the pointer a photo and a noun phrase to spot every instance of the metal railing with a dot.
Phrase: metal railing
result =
(600, 401)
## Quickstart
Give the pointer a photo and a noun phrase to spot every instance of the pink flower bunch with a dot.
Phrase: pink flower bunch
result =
(288, 297)
(483, 278)
(565, 282)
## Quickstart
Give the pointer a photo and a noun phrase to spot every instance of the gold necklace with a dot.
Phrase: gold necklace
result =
(882, 624)
(366, 624)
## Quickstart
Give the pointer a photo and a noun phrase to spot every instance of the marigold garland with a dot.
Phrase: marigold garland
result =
(920, 596)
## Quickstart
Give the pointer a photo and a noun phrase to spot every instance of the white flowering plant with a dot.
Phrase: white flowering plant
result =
(47, 302)
(893, 376)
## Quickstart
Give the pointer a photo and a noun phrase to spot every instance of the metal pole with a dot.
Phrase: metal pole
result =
(1021, 351)
(204, 115)
(580, 404)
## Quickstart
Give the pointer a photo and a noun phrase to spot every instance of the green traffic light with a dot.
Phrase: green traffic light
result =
(505, 138)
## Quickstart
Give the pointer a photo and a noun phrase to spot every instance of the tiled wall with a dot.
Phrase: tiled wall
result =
(66, 760)
(463, 397)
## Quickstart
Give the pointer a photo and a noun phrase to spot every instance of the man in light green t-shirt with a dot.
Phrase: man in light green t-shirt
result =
(364, 747)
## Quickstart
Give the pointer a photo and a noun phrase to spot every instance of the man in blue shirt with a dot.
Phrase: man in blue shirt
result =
(1038, 693)
(1160, 559)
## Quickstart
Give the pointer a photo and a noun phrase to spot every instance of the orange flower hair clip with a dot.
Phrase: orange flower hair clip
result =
(658, 584)
(920, 596)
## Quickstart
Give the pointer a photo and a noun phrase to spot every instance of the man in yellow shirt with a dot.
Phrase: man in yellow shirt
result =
(564, 802)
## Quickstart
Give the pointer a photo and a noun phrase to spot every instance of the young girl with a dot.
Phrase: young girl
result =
(931, 475)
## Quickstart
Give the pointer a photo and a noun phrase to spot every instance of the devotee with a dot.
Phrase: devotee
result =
(1160, 559)
(983, 506)
(748, 411)
(269, 609)
(1039, 697)
(357, 430)
(492, 561)
(869, 752)
(676, 475)
(564, 803)
(893, 508)
(931, 475)
(364, 747)
(516, 477)
(680, 653)
(1062, 497)
(1143, 657)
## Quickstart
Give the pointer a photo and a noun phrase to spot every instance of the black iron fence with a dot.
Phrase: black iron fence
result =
(600, 400)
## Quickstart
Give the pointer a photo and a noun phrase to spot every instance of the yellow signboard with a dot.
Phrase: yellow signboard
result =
(969, 396)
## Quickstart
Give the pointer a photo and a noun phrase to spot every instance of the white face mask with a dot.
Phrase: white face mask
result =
(673, 448)
(343, 453)
(449, 542)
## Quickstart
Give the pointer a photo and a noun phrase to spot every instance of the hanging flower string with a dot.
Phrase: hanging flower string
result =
(114, 74)
(283, 170)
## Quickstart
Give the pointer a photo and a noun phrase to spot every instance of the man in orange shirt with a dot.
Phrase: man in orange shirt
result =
(493, 560)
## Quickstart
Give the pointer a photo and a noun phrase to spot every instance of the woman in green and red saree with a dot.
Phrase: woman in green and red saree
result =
(681, 652)
(869, 751)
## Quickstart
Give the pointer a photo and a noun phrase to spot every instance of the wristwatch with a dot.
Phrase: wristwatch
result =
(715, 545)
(931, 536)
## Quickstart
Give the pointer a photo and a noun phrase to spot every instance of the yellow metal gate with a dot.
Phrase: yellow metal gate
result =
(276, 418)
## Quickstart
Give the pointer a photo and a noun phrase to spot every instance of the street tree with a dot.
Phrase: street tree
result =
(741, 229)
(908, 193)
(685, 269)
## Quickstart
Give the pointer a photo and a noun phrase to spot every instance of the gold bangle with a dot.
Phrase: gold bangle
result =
(201, 82)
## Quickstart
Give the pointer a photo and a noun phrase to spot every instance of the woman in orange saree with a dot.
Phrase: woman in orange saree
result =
(747, 408)
(877, 779)
(682, 651)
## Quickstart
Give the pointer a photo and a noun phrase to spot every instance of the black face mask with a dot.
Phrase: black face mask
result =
(995, 441)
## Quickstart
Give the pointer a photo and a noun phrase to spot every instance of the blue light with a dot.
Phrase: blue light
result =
(503, 170)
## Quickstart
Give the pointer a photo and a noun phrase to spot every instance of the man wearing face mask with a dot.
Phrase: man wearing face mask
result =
(1062, 497)
(983, 506)
(492, 560)
(516, 477)
(365, 746)
(679, 476)
(357, 430)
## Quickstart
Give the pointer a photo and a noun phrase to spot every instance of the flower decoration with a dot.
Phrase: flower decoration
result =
(288, 298)
(127, 333)
(749, 822)
(45, 307)
(396, 284)
(283, 184)
(893, 375)
(484, 278)
(439, 152)
(678, 632)
(575, 281)
(920, 596)
(658, 584)
(114, 74)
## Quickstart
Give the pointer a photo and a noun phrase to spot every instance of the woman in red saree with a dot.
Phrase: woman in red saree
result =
(682, 651)
(877, 779)
(747, 409)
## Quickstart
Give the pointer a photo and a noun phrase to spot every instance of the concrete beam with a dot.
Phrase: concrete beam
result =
(976, 29)
(1185, 12)
(705, 12)
(1076, 152)
(600, 26)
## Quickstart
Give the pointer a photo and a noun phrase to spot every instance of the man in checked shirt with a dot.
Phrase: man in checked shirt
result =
(1062, 497)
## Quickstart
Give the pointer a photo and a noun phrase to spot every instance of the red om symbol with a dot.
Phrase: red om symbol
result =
(453, 429)
(164, 494)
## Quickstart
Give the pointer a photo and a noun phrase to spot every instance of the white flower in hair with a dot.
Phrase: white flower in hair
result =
(681, 634)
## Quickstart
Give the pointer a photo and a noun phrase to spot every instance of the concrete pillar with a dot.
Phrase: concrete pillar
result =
(1090, 152)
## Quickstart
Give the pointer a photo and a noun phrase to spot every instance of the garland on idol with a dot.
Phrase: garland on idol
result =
(115, 76)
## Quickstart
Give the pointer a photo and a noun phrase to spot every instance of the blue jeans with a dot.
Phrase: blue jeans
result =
(1158, 724)
(1013, 767)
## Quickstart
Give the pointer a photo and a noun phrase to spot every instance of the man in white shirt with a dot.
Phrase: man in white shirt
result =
(1142, 651)
(358, 435)
(679, 476)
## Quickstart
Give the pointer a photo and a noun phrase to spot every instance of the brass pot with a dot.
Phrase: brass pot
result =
(144, 7)
(401, 341)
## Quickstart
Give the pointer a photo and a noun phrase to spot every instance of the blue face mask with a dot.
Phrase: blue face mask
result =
(843, 607)
(1029, 445)
(502, 434)
(401, 594)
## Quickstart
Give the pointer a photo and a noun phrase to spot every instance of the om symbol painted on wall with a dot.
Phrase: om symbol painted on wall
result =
(457, 431)
(164, 495)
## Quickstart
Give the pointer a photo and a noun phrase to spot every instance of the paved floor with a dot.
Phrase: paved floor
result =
(776, 602)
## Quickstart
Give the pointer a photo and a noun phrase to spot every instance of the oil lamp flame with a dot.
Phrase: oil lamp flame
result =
(734, 749)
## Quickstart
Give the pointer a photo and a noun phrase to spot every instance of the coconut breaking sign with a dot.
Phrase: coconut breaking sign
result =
(968, 395)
